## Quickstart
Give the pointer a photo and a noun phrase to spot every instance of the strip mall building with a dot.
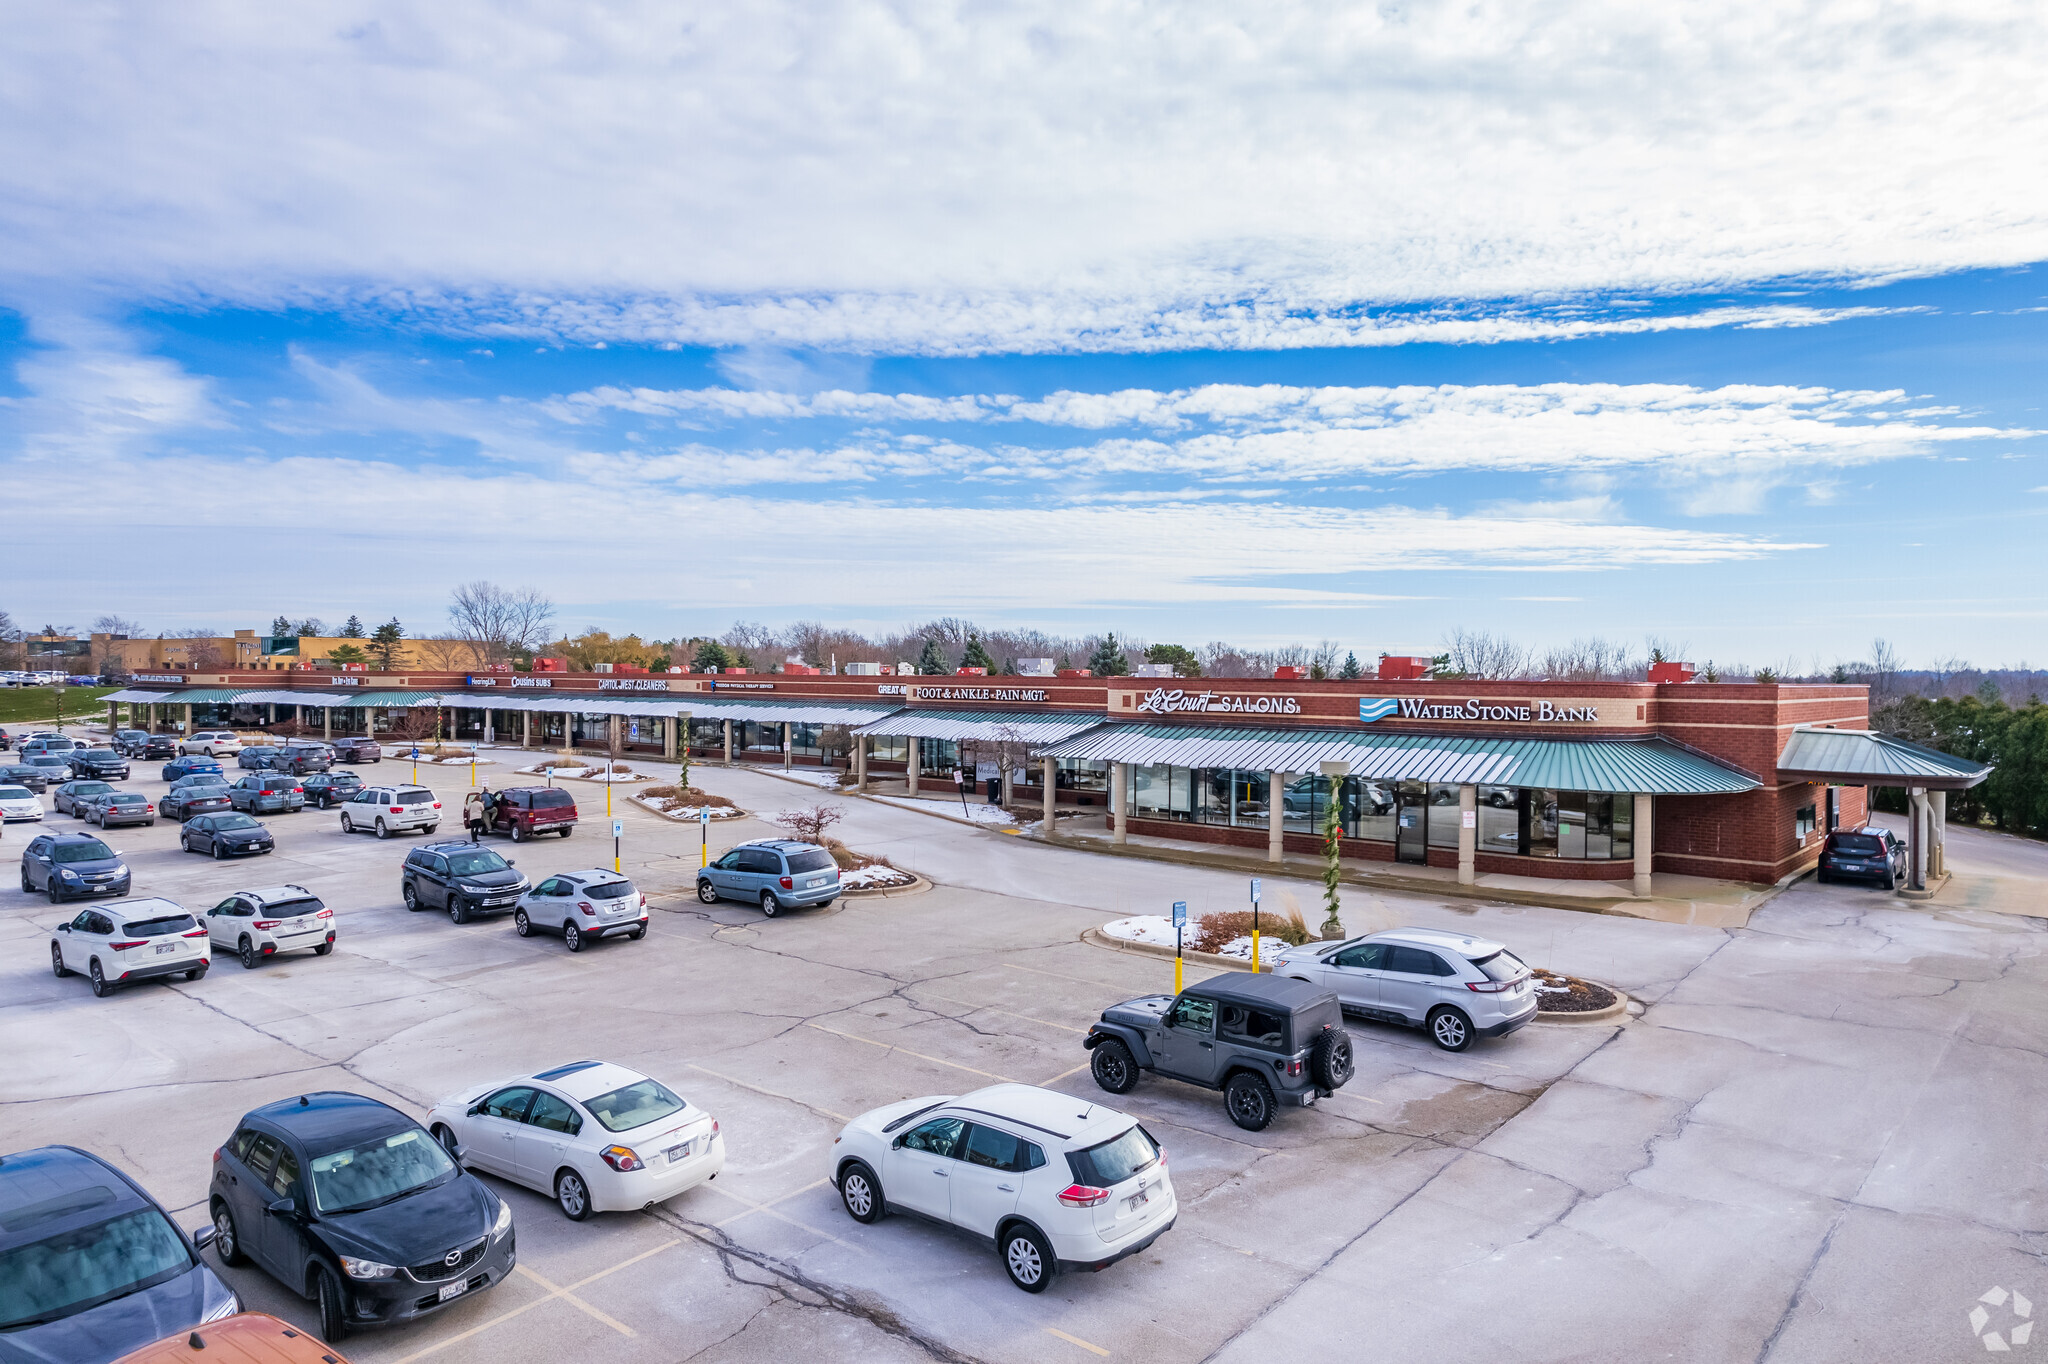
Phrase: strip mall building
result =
(1605, 781)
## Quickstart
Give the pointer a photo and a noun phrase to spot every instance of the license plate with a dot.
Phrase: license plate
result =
(454, 1290)
(165, 947)
(1138, 1199)
(300, 925)
(676, 1153)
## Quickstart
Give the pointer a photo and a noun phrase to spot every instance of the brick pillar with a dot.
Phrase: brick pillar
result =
(1276, 816)
(1646, 841)
(1468, 835)
(113, 716)
(1049, 771)
(916, 747)
(1120, 802)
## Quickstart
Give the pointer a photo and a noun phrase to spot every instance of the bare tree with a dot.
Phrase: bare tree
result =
(450, 655)
(809, 824)
(496, 620)
(1326, 659)
(1485, 656)
(117, 625)
(1884, 669)
(1588, 660)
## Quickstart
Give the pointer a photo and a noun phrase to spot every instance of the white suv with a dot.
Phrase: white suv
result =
(214, 743)
(124, 941)
(1453, 986)
(1054, 1182)
(391, 810)
(254, 924)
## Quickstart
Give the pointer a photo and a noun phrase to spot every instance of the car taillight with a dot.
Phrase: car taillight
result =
(124, 946)
(584, 905)
(1294, 1066)
(268, 923)
(1083, 1195)
(195, 933)
(217, 1154)
(437, 805)
(398, 809)
(788, 884)
(324, 914)
(621, 1158)
(1487, 987)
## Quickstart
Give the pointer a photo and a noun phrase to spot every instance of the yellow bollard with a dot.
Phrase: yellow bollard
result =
(1176, 973)
(1255, 951)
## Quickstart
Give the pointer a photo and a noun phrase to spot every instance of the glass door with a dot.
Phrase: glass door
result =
(1411, 823)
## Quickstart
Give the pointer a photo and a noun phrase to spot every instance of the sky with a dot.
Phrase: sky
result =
(1267, 323)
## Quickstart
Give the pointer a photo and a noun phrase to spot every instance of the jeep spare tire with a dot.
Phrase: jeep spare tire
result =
(1331, 1062)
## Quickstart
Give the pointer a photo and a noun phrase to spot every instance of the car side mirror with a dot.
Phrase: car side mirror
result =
(284, 1207)
(511, 861)
(474, 1109)
(202, 1238)
(63, 928)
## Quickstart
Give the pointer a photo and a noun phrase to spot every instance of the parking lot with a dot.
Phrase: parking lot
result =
(1821, 1139)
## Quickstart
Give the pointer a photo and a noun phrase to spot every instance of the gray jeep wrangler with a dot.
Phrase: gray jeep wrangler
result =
(1262, 1040)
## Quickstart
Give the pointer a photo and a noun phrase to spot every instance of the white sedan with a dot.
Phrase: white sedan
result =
(599, 1137)
(19, 803)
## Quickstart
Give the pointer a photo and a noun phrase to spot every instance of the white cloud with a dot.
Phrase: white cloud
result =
(959, 178)
(89, 393)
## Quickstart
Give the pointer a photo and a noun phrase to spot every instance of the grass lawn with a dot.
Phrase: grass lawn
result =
(28, 705)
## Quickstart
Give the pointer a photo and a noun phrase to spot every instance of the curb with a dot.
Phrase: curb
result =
(1618, 1009)
(917, 887)
(675, 818)
(850, 794)
(1095, 937)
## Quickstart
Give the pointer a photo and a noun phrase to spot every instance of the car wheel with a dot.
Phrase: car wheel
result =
(412, 898)
(1450, 1029)
(1331, 1060)
(227, 1243)
(770, 906)
(1027, 1258)
(518, 834)
(382, 832)
(1250, 1101)
(522, 925)
(346, 826)
(861, 1194)
(1113, 1067)
(323, 949)
(430, 828)
(246, 951)
(26, 888)
(458, 908)
(100, 987)
(333, 1314)
(220, 852)
(572, 937)
(57, 965)
(1820, 878)
(197, 972)
(55, 897)
(443, 1135)
(705, 892)
(637, 934)
(570, 1193)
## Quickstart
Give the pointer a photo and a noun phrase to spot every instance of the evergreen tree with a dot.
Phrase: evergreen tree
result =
(1108, 659)
(976, 655)
(1351, 671)
(931, 662)
(354, 628)
(384, 641)
(346, 653)
(1183, 659)
(711, 654)
(280, 626)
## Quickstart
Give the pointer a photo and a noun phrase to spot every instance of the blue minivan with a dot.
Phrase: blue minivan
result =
(776, 874)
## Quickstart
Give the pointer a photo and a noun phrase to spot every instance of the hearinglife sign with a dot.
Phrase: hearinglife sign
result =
(1160, 701)
(1371, 708)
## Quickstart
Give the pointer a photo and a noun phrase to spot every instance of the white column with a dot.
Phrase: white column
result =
(1646, 841)
(526, 729)
(787, 731)
(669, 725)
(1916, 839)
(369, 721)
(326, 722)
(1010, 784)
(188, 721)
(860, 762)
(611, 735)
(916, 744)
(728, 743)
(1468, 835)
(1120, 802)
(1938, 832)
(1049, 771)
(1276, 816)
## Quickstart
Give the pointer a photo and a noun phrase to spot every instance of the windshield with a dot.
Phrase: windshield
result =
(552, 800)
(415, 796)
(129, 798)
(203, 779)
(15, 793)
(90, 788)
(475, 863)
(236, 822)
(641, 1102)
(1502, 965)
(1115, 1160)
(74, 1270)
(1865, 844)
(285, 908)
(810, 861)
(92, 850)
(102, 755)
(609, 890)
(378, 1171)
(158, 927)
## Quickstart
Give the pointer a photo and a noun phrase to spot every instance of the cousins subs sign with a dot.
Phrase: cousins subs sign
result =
(1371, 708)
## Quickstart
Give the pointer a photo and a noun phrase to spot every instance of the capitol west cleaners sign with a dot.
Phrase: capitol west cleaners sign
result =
(1160, 701)
(1371, 708)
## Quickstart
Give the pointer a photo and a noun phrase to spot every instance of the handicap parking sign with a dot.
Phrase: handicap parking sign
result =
(1180, 913)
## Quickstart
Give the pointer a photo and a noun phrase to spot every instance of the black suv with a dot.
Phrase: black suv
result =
(158, 746)
(462, 878)
(300, 759)
(130, 742)
(350, 1202)
(358, 751)
(330, 788)
(1872, 853)
(103, 763)
(1262, 1040)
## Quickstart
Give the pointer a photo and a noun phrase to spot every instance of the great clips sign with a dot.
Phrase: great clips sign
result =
(1372, 708)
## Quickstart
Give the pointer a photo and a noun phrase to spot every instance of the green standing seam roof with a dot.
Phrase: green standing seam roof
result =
(1031, 727)
(1866, 757)
(1653, 766)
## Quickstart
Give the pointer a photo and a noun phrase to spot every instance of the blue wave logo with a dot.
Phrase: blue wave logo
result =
(1371, 708)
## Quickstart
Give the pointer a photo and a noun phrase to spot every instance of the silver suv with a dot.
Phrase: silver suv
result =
(776, 873)
(1450, 985)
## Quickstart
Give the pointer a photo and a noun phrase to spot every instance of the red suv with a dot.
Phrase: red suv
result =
(524, 811)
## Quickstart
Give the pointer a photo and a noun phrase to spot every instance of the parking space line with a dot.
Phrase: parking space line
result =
(1079, 980)
(891, 1046)
(753, 1207)
(990, 1008)
(1048, 1084)
(568, 1296)
(525, 1307)
(1076, 1340)
(768, 1092)
(771, 1202)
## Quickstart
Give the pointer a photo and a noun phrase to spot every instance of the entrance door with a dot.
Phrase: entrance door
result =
(1411, 822)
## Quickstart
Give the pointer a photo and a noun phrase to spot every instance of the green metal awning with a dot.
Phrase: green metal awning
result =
(1863, 757)
(1652, 766)
(1029, 727)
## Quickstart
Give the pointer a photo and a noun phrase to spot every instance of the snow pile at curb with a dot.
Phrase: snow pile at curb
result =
(687, 814)
(423, 760)
(994, 815)
(1156, 930)
(596, 774)
(875, 878)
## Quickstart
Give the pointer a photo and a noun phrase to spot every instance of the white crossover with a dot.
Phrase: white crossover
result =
(599, 1137)
(214, 743)
(253, 924)
(1053, 1182)
(120, 942)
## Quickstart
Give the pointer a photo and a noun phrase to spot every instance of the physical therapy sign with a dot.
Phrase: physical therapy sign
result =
(1371, 708)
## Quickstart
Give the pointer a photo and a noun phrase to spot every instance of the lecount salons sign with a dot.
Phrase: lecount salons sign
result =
(1371, 708)
(1160, 701)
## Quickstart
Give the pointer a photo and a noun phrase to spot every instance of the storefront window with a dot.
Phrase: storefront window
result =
(593, 731)
(1499, 822)
(547, 728)
(1375, 811)
(1082, 774)
(642, 731)
(1802, 822)
(1592, 825)
(1162, 792)
(936, 756)
(752, 736)
(708, 734)
(806, 739)
(887, 748)
(1443, 817)
(1232, 796)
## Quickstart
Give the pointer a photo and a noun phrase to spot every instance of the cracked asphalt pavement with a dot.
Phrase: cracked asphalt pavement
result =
(1820, 1140)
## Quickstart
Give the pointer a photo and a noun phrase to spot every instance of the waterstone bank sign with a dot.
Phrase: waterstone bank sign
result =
(1372, 708)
